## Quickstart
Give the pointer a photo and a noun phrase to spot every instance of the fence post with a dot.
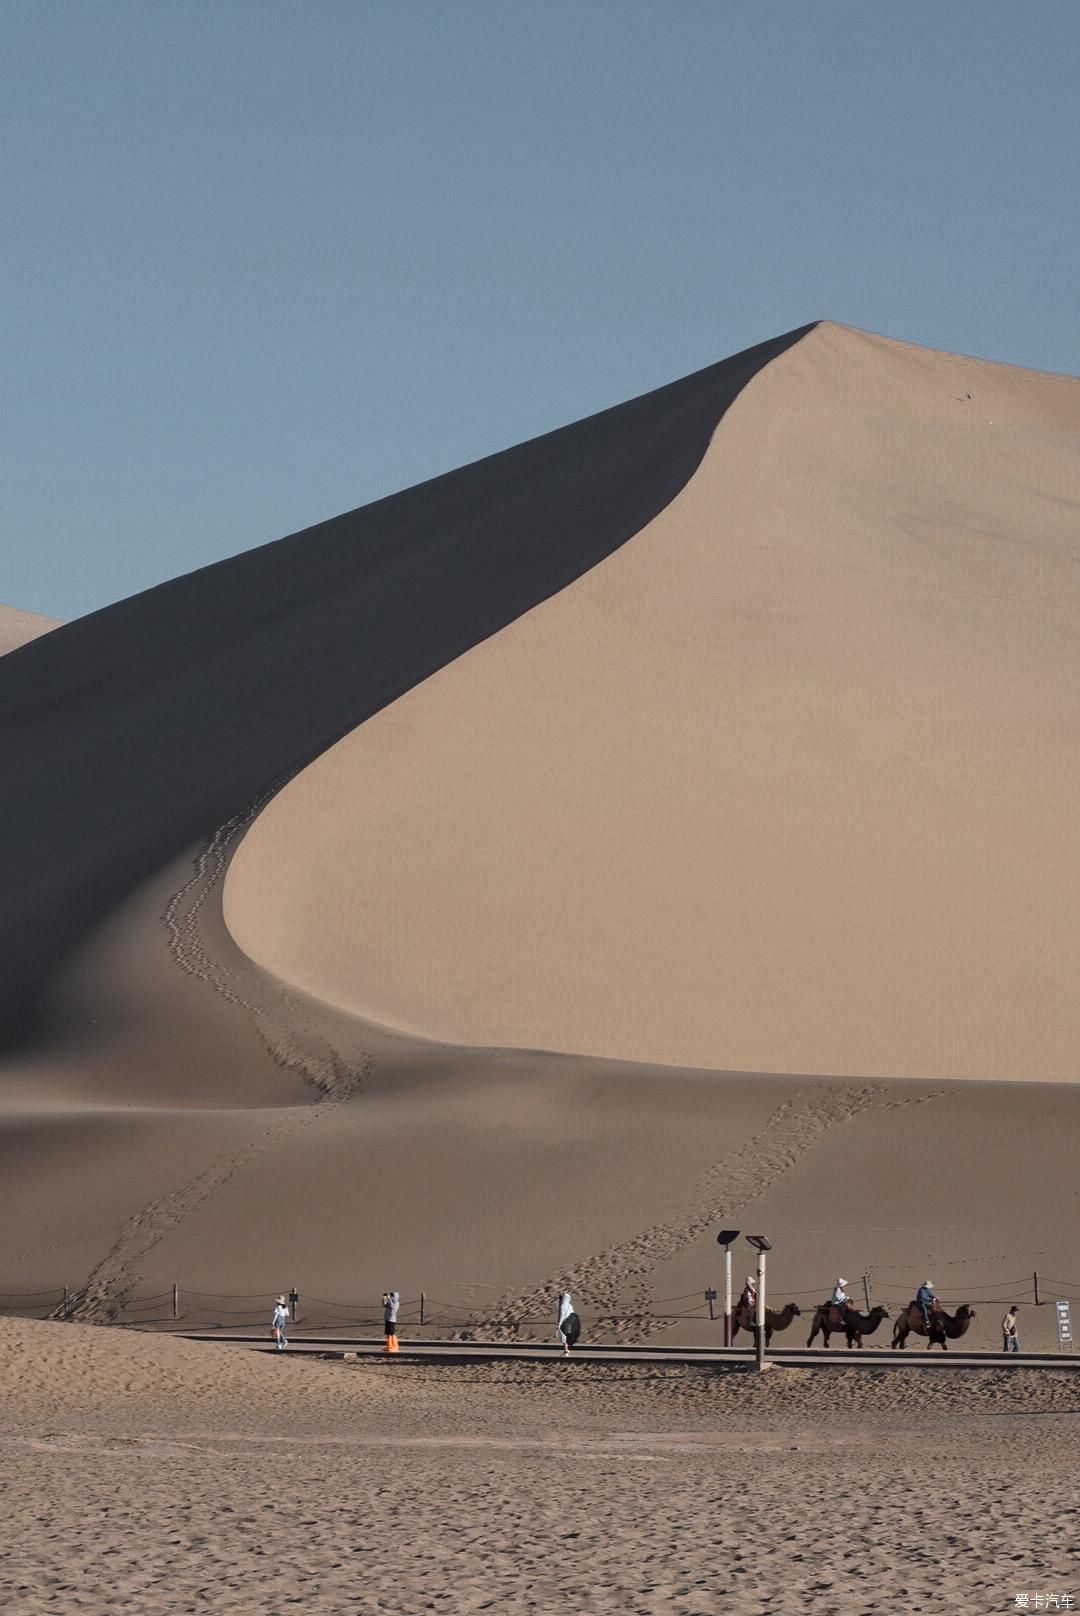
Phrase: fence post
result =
(423, 1300)
(866, 1290)
(176, 1301)
(1035, 1277)
(294, 1297)
(710, 1297)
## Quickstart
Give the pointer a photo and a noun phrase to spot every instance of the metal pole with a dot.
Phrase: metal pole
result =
(294, 1297)
(1035, 1277)
(176, 1301)
(866, 1291)
(727, 1296)
(710, 1297)
(761, 1310)
(423, 1299)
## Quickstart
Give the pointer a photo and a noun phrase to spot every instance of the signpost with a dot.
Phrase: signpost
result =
(761, 1245)
(725, 1238)
(1064, 1324)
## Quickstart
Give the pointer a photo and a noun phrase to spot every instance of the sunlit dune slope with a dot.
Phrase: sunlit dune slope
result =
(787, 782)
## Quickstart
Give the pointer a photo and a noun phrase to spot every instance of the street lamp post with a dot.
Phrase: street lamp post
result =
(761, 1245)
(725, 1239)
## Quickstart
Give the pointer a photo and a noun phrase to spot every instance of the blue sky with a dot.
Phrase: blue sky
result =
(263, 262)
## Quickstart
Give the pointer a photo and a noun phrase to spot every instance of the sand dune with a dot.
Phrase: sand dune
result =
(722, 744)
(221, 683)
(784, 784)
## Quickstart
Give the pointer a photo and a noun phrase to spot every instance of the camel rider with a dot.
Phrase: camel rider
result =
(926, 1301)
(748, 1299)
(840, 1298)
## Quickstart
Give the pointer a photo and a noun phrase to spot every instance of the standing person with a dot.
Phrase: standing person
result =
(279, 1323)
(391, 1303)
(1010, 1340)
(569, 1326)
(926, 1301)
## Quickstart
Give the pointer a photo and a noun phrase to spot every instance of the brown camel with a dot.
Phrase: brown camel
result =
(830, 1320)
(942, 1325)
(744, 1318)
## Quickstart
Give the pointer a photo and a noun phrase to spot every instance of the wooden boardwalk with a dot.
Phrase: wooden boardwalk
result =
(476, 1352)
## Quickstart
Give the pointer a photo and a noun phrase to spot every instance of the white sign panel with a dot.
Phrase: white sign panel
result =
(1064, 1323)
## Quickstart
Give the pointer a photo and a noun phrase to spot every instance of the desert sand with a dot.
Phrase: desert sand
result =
(164, 1476)
(661, 825)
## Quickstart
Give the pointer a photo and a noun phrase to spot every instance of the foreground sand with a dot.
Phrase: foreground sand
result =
(158, 1476)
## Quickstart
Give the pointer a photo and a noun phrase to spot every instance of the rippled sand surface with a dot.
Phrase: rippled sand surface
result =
(164, 1476)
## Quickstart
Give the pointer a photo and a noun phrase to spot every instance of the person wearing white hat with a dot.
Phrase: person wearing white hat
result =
(840, 1297)
(748, 1299)
(926, 1300)
(279, 1323)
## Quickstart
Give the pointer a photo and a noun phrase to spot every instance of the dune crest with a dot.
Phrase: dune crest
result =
(785, 783)
(18, 627)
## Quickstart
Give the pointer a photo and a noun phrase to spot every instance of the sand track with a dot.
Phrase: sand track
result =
(618, 1279)
(334, 1078)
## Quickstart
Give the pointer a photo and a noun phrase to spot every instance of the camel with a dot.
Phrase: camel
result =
(743, 1318)
(829, 1319)
(942, 1324)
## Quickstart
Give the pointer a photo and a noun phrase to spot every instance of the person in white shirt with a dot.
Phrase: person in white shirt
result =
(279, 1323)
(840, 1297)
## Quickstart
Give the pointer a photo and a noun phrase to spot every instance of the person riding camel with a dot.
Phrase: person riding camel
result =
(748, 1299)
(840, 1298)
(926, 1301)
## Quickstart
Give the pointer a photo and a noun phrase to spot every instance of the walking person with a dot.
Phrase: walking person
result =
(569, 1326)
(391, 1304)
(1010, 1340)
(279, 1323)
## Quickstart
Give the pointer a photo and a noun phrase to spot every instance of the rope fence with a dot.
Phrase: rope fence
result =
(183, 1309)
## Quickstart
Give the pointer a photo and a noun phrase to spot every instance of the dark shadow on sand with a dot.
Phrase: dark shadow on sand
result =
(129, 734)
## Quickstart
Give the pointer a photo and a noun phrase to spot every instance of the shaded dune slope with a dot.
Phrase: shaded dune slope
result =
(785, 783)
(131, 733)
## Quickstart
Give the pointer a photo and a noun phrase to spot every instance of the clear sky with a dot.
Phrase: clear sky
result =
(263, 261)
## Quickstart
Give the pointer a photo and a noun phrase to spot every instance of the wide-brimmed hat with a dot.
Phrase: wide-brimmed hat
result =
(280, 1300)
